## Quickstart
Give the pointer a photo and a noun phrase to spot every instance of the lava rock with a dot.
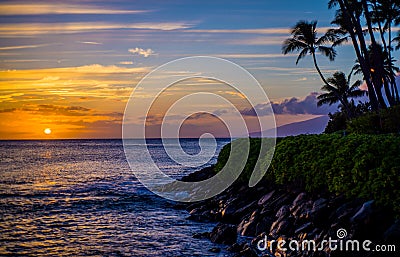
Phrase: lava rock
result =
(393, 233)
(224, 234)
(363, 213)
(263, 200)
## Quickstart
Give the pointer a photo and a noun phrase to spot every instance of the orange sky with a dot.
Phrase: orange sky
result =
(71, 67)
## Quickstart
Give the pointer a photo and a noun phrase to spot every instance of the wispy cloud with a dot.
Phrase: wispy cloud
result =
(267, 40)
(254, 55)
(141, 51)
(32, 29)
(95, 81)
(126, 63)
(59, 8)
(244, 31)
(89, 42)
(301, 79)
(25, 46)
(252, 31)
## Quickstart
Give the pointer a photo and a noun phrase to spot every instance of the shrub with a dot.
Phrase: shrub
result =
(365, 166)
(337, 122)
(385, 121)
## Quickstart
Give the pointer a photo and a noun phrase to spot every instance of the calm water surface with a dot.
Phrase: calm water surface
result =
(79, 198)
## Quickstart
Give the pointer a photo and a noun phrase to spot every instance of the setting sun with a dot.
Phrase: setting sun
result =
(47, 131)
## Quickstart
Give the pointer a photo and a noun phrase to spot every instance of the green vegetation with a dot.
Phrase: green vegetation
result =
(223, 156)
(364, 166)
(384, 121)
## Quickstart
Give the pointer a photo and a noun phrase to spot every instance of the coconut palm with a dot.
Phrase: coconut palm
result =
(305, 40)
(349, 17)
(339, 89)
(389, 73)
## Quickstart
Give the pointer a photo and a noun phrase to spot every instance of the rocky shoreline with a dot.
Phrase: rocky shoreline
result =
(269, 212)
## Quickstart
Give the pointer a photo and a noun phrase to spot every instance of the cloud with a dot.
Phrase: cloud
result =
(24, 46)
(8, 110)
(301, 79)
(266, 40)
(89, 42)
(201, 115)
(36, 29)
(95, 82)
(97, 68)
(158, 119)
(59, 8)
(126, 63)
(254, 55)
(244, 31)
(141, 51)
(220, 112)
(61, 110)
(50, 109)
(292, 106)
(285, 31)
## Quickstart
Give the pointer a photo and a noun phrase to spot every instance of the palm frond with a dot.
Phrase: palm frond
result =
(292, 45)
(302, 54)
(355, 85)
(327, 99)
(328, 52)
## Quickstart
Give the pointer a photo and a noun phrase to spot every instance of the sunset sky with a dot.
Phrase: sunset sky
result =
(71, 66)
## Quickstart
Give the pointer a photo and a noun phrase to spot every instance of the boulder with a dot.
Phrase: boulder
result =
(319, 205)
(299, 200)
(320, 211)
(264, 225)
(304, 228)
(235, 210)
(235, 248)
(248, 227)
(364, 213)
(393, 233)
(223, 234)
(199, 214)
(230, 208)
(281, 227)
(283, 211)
(246, 252)
(265, 198)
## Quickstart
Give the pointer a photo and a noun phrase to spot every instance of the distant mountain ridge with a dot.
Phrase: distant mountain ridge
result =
(312, 126)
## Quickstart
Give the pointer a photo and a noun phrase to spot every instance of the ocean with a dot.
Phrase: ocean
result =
(80, 198)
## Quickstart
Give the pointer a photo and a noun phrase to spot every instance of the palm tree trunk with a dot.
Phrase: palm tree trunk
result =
(393, 78)
(359, 49)
(390, 94)
(317, 68)
(379, 78)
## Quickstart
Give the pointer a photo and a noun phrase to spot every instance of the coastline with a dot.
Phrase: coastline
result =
(283, 212)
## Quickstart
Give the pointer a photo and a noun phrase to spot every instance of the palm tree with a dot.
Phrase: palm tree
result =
(348, 17)
(389, 73)
(339, 89)
(305, 40)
